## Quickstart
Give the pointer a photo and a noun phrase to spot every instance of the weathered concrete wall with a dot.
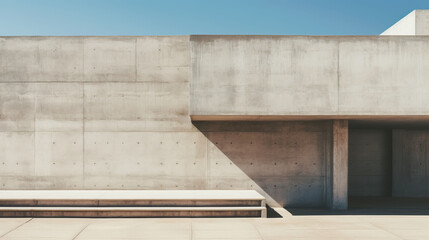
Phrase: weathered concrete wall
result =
(288, 161)
(370, 162)
(263, 75)
(97, 113)
(113, 113)
(410, 163)
(422, 22)
(309, 75)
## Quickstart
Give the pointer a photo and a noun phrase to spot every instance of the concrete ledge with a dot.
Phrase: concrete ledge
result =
(304, 117)
(127, 203)
(132, 203)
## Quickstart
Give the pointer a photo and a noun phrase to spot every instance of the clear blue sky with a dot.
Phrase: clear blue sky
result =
(182, 17)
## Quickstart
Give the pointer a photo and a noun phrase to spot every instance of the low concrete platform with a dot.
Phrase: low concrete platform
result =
(132, 203)
(295, 227)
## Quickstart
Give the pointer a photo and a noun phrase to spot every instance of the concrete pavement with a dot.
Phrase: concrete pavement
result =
(295, 227)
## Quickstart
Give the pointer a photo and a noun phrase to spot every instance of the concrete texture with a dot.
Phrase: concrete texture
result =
(339, 165)
(284, 76)
(286, 161)
(41, 59)
(103, 62)
(132, 203)
(370, 162)
(393, 82)
(130, 212)
(263, 75)
(150, 106)
(410, 161)
(114, 113)
(66, 100)
(99, 195)
(296, 227)
(422, 22)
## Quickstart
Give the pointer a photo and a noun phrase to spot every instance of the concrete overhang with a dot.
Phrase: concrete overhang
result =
(313, 77)
(404, 118)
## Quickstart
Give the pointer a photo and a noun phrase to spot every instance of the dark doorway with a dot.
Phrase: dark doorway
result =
(388, 166)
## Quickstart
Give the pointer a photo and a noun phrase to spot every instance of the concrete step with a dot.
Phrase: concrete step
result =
(132, 203)
(142, 198)
(127, 203)
(132, 212)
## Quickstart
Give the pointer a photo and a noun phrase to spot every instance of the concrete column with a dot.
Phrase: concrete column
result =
(339, 164)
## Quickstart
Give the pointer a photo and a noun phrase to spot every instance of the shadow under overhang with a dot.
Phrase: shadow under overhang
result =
(355, 121)
(308, 117)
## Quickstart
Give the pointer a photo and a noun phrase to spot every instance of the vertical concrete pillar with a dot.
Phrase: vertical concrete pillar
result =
(339, 165)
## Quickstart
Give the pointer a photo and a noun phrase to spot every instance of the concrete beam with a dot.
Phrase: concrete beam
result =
(248, 76)
(307, 117)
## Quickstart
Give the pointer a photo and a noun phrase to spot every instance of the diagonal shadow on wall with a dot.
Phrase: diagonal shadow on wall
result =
(284, 161)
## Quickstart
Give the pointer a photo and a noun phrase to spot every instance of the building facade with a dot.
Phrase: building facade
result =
(307, 121)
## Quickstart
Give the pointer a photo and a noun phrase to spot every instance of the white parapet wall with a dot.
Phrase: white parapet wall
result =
(405, 26)
(415, 23)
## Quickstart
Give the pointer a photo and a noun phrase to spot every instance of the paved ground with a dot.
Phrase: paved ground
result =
(295, 227)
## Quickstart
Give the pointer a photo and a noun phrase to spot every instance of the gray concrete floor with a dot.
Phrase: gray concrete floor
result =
(294, 227)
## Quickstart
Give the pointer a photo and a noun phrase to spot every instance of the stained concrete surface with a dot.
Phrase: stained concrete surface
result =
(115, 112)
(339, 165)
(285, 161)
(296, 227)
(410, 163)
(309, 75)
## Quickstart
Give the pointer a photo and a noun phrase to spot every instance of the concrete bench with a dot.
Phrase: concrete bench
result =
(132, 203)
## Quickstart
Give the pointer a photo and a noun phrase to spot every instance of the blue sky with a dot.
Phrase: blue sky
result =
(182, 17)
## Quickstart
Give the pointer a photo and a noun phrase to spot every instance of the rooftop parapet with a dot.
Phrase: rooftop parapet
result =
(415, 23)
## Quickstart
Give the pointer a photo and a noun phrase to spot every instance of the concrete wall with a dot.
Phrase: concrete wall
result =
(370, 162)
(263, 75)
(410, 163)
(287, 160)
(113, 113)
(97, 113)
(308, 75)
(422, 22)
